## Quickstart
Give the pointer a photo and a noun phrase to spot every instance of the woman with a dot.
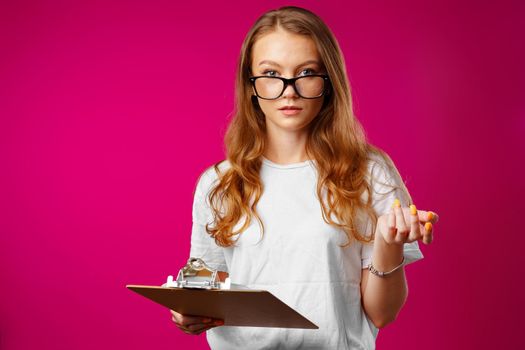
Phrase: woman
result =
(303, 206)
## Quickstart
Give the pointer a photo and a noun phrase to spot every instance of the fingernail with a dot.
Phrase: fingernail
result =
(430, 216)
(219, 323)
(413, 210)
(206, 320)
(396, 203)
(428, 226)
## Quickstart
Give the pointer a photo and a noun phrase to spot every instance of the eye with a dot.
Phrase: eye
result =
(309, 70)
(269, 71)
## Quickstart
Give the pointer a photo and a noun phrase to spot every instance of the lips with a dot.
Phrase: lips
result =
(290, 108)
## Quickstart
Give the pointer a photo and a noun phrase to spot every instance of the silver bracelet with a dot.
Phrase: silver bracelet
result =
(372, 269)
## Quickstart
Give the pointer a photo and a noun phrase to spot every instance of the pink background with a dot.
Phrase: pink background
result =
(109, 112)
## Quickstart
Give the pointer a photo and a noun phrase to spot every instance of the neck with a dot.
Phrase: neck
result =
(286, 147)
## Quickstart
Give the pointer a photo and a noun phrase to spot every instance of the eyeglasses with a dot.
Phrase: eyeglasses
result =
(307, 86)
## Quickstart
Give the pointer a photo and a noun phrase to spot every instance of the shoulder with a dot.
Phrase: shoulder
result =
(381, 168)
(385, 181)
(383, 175)
(211, 175)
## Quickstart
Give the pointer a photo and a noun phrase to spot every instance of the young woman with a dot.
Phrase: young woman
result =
(303, 206)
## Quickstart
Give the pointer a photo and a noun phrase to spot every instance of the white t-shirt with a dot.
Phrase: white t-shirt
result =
(299, 259)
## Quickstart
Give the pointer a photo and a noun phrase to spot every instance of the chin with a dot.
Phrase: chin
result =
(292, 124)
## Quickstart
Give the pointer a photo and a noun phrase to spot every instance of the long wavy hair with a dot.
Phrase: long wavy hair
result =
(336, 141)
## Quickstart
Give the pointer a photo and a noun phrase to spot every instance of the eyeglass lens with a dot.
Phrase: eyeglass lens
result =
(307, 87)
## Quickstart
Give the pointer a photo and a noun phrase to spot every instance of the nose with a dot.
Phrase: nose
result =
(289, 91)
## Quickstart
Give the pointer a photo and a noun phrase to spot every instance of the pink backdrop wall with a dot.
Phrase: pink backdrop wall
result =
(110, 110)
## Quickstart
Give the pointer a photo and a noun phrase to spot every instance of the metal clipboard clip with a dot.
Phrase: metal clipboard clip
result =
(196, 274)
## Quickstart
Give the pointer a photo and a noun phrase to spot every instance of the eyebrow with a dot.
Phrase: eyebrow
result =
(278, 65)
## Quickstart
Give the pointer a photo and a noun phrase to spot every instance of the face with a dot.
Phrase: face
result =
(288, 55)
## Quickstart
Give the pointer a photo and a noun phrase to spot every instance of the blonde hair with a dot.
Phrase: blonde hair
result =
(336, 140)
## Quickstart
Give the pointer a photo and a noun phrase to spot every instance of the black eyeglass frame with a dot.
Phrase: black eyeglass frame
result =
(291, 81)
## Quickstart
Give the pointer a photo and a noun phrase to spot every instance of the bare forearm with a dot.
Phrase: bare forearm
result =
(384, 296)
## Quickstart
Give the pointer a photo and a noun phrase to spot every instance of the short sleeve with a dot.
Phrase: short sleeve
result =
(386, 186)
(202, 244)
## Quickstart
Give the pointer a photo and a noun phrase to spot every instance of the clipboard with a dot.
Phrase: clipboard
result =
(236, 305)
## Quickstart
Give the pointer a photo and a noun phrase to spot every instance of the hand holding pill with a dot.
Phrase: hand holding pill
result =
(406, 225)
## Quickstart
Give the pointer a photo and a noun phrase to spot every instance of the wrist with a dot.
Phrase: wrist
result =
(386, 256)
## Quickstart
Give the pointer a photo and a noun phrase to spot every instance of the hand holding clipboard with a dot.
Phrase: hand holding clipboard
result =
(199, 292)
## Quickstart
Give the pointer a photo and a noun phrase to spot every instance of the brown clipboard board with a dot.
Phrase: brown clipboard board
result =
(241, 307)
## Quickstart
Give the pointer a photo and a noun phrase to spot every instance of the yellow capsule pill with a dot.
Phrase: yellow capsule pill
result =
(428, 226)
(430, 216)
(397, 203)
(413, 210)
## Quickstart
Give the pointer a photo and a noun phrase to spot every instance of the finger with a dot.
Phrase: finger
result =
(428, 234)
(186, 320)
(432, 217)
(177, 323)
(175, 316)
(402, 228)
(415, 231)
(205, 329)
(190, 320)
(391, 227)
(198, 328)
(197, 332)
(428, 216)
(190, 332)
(179, 326)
